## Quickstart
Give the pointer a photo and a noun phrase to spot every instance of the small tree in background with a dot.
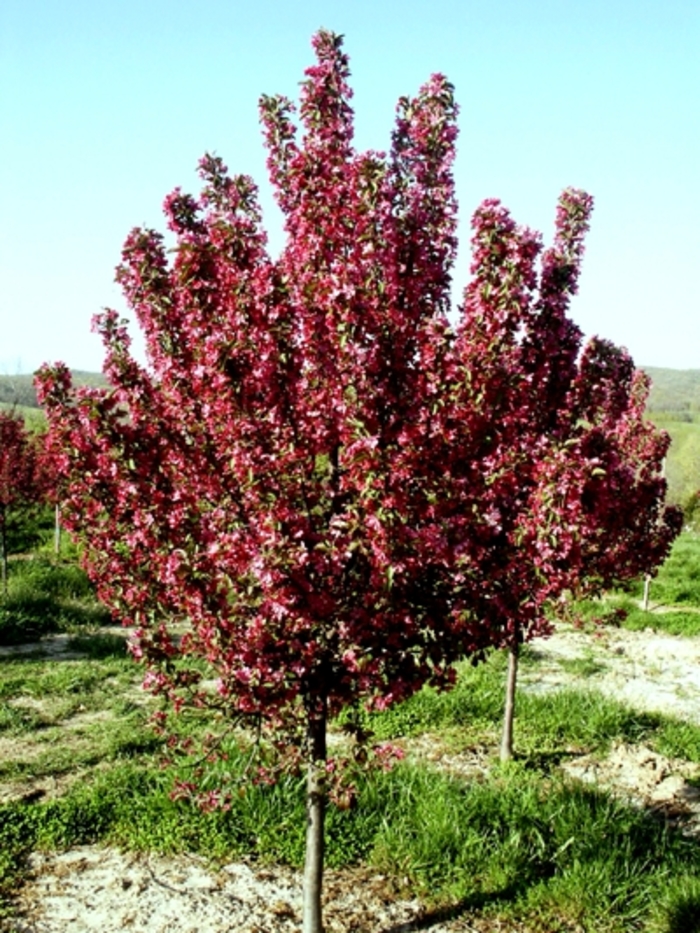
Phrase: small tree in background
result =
(574, 470)
(620, 528)
(23, 481)
(318, 493)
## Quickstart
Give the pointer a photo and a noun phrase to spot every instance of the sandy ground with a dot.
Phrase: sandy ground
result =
(95, 889)
(98, 889)
(648, 670)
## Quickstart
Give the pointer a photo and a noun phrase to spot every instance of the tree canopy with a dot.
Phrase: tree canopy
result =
(317, 491)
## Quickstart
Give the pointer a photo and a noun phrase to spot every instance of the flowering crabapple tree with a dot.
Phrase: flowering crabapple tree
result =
(22, 479)
(570, 433)
(623, 530)
(318, 492)
(270, 496)
(628, 531)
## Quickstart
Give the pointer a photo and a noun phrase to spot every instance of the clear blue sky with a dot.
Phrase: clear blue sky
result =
(107, 106)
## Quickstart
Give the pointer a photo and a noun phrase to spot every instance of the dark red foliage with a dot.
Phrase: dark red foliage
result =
(22, 479)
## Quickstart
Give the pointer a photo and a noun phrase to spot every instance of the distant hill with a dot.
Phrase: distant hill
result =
(19, 390)
(674, 404)
(674, 391)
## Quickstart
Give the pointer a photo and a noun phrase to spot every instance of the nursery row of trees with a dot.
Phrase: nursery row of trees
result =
(27, 479)
(320, 491)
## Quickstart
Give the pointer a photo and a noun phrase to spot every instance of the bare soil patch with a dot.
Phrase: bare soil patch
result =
(648, 670)
(94, 889)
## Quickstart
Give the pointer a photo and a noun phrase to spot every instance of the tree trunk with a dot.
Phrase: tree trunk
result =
(509, 716)
(647, 588)
(57, 530)
(315, 817)
(3, 550)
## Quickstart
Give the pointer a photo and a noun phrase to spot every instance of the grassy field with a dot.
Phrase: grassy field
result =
(683, 461)
(674, 596)
(522, 843)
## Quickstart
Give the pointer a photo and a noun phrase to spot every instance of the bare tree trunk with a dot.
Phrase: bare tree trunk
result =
(57, 530)
(647, 578)
(3, 549)
(315, 818)
(509, 715)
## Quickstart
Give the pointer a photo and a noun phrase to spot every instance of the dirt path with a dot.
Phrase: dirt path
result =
(93, 889)
(648, 670)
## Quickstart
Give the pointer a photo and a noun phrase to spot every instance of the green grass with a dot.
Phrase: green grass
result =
(683, 461)
(44, 597)
(552, 724)
(548, 853)
(582, 667)
(601, 612)
(674, 389)
(516, 845)
(28, 527)
(674, 603)
(34, 418)
(678, 580)
(673, 623)
(89, 680)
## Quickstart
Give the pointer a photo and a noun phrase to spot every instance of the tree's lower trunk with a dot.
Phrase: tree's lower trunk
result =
(3, 552)
(509, 716)
(57, 530)
(315, 818)
(647, 588)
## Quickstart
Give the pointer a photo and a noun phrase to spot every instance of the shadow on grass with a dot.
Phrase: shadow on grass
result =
(23, 621)
(99, 646)
(466, 907)
(45, 597)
